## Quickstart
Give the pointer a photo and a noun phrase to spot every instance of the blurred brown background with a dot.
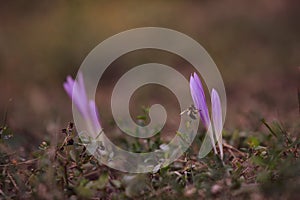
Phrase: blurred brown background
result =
(255, 44)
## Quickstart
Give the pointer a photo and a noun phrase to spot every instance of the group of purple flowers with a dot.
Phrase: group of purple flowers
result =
(215, 128)
(87, 108)
(77, 92)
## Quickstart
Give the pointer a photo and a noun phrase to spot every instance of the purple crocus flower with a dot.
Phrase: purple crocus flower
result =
(198, 96)
(216, 111)
(87, 108)
(199, 99)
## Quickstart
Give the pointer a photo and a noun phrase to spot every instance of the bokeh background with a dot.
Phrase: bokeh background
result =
(255, 44)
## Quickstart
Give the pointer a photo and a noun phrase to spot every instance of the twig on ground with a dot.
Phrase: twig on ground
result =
(13, 181)
(27, 162)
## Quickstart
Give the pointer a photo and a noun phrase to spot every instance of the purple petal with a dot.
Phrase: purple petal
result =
(198, 81)
(68, 85)
(216, 111)
(198, 96)
(94, 116)
(67, 89)
(217, 118)
(78, 99)
(81, 88)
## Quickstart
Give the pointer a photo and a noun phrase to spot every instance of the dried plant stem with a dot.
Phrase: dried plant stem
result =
(13, 181)
(27, 162)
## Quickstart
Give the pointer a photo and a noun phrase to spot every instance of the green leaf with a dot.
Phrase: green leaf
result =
(101, 182)
(253, 142)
